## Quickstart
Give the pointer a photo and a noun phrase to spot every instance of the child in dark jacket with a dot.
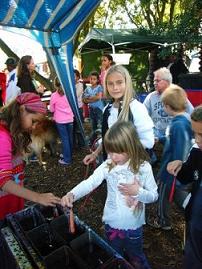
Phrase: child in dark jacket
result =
(177, 146)
(191, 171)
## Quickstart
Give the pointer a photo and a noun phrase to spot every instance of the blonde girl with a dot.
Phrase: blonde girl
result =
(130, 184)
(123, 106)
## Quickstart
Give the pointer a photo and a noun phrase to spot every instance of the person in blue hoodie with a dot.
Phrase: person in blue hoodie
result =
(178, 143)
(191, 172)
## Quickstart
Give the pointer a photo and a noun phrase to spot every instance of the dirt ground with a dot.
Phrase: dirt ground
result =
(164, 249)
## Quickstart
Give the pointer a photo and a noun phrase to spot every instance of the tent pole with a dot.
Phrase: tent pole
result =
(113, 49)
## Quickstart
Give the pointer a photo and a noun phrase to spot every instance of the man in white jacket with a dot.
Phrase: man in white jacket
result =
(12, 90)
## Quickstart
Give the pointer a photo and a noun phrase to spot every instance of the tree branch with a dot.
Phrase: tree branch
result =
(130, 17)
(172, 8)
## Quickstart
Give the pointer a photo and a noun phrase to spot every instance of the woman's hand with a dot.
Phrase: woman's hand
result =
(131, 189)
(174, 167)
(67, 200)
(89, 158)
(48, 199)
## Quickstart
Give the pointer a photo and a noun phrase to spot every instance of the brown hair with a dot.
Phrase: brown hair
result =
(76, 72)
(175, 97)
(22, 66)
(58, 86)
(10, 114)
(109, 57)
(95, 74)
(123, 138)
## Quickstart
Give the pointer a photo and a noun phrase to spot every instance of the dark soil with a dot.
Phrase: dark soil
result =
(164, 249)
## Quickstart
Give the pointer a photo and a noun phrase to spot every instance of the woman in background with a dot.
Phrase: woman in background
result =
(25, 74)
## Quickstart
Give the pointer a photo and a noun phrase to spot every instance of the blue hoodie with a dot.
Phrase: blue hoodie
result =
(177, 146)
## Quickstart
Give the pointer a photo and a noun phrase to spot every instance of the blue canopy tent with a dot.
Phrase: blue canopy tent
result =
(54, 24)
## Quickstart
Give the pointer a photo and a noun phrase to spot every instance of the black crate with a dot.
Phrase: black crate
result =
(61, 226)
(49, 213)
(21, 223)
(64, 258)
(27, 219)
(44, 240)
(92, 249)
(117, 263)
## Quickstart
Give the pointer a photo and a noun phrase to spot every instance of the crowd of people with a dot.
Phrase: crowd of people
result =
(130, 130)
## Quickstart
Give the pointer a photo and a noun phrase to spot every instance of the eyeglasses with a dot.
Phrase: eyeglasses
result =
(157, 80)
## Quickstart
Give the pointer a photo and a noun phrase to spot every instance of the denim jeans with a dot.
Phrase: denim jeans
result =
(128, 243)
(96, 122)
(77, 135)
(164, 206)
(65, 131)
(96, 118)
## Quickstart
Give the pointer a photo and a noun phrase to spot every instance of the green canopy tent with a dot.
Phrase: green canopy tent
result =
(111, 41)
(126, 40)
(130, 40)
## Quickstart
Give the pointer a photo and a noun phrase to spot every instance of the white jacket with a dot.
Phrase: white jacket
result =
(116, 212)
(142, 121)
(12, 90)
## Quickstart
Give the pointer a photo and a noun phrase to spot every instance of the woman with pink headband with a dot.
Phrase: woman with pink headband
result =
(16, 122)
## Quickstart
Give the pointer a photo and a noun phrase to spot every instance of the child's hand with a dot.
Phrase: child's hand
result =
(67, 200)
(85, 100)
(174, 167)
(129, 189)
(89, 158)
(131, 202)
(48, 199)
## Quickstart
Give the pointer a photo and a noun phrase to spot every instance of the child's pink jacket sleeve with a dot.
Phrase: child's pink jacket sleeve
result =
(5, 156)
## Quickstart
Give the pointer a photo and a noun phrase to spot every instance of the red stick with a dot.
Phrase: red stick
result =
(71, 221)
(172, 190)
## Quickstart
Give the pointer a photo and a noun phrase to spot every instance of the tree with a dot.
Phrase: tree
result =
(175, 19)
(159, 14)
(178, 21)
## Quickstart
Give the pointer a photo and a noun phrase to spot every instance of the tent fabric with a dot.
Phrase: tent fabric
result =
(54, 24)
(126, 40)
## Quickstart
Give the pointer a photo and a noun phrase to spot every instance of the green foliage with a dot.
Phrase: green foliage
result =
(91, 62)
(138, 69)
(178, 21)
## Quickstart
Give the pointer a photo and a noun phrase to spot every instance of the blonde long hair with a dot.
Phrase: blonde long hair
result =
(129, 93)
(122, 138)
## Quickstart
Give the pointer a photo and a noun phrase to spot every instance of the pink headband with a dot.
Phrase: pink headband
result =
(32, 102)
